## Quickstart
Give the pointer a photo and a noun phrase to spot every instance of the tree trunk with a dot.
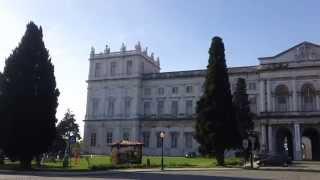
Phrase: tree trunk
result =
(25, 164)
(38, 161)
(220, 157)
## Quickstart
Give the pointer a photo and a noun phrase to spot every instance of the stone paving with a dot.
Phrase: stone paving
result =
(299, 171)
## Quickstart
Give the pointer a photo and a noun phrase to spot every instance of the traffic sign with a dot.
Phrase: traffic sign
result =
(72, 139)
(245, 144)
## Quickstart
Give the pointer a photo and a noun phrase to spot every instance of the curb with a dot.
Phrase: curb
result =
(174, 169)
(111, 171)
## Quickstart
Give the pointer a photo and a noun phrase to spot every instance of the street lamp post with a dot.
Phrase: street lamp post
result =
(252, 139)
(162, 134)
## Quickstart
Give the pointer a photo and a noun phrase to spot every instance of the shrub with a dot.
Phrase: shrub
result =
(100, 167)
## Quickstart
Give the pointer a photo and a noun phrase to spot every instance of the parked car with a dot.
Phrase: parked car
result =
(277, 159)
(190, 155)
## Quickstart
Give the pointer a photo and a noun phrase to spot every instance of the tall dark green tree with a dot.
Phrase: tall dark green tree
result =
(243, 114)
(65, 128)
(31, 98)
(216, 129)
(68, 126)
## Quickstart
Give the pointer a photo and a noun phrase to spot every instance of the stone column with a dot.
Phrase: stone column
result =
(263, 137)
(262, 98)
(317, 103)
(100, 139)
(269, 96)
(135, 133)
(294, 96)
(297, 141)
(270, 139)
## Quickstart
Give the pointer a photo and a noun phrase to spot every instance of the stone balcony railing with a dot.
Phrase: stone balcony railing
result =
(289, 114)
(168, 117)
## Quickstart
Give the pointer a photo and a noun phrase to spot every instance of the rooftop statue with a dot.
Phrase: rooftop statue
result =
(145, 52)
(92, 51)
(123, 48)
(107, 50)
(138, 46)
(152, 56)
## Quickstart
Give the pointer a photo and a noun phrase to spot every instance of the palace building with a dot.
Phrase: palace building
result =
(130, 99)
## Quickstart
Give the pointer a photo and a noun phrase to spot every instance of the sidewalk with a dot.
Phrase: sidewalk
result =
(303, 166)
(300, 166)
(102, 172)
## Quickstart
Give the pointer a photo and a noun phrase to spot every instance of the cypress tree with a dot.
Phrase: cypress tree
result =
(216, 129)
(31, 98)
(243, 114)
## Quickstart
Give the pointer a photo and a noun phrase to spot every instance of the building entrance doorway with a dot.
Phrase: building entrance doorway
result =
(284, 142)
(310, 144)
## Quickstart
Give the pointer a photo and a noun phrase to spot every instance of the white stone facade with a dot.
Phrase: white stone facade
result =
(129, 98)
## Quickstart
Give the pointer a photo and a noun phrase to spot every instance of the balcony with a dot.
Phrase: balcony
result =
(168, 117)
(289, 114)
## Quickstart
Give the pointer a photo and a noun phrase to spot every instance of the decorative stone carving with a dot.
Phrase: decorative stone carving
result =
(305, 52)
(152, 56)
(107, 50)
(123, 47)
(145, 52)
(138, 47)
(92, 51)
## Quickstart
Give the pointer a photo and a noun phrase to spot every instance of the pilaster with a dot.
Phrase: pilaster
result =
(297, 141)
(263, 137)
(269, 108)
(294, 95)
(262, 96)
(270, 139)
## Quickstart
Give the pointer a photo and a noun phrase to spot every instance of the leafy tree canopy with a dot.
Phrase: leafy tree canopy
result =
(68, 126)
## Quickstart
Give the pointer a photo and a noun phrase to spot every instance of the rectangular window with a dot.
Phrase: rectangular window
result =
(234, 86)
(161, 91)
(98, 70)
(174, 108)
(109, 137)
(159, 140)
(129, 67)
(146, 138)
(175, 90)
(160, 107)
(189, 107)
(253, 104)
(126, 135)
(127, 107)
(113, 68)
(252, 86)
(93, 139)
(95, 106)
(142, 67)
(147, 108)
(188, 139)
(174, 139)
(147, 91)
(189, 89)
(111, 107)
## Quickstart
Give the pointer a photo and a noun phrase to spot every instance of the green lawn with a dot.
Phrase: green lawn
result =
(104, 162)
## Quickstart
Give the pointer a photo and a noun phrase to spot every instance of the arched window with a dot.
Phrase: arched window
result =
(308, 98)
(282, 98)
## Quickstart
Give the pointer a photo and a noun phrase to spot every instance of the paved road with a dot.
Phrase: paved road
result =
(238, 174)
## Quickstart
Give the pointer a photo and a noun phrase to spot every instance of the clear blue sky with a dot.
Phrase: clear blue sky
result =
(179, 31)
